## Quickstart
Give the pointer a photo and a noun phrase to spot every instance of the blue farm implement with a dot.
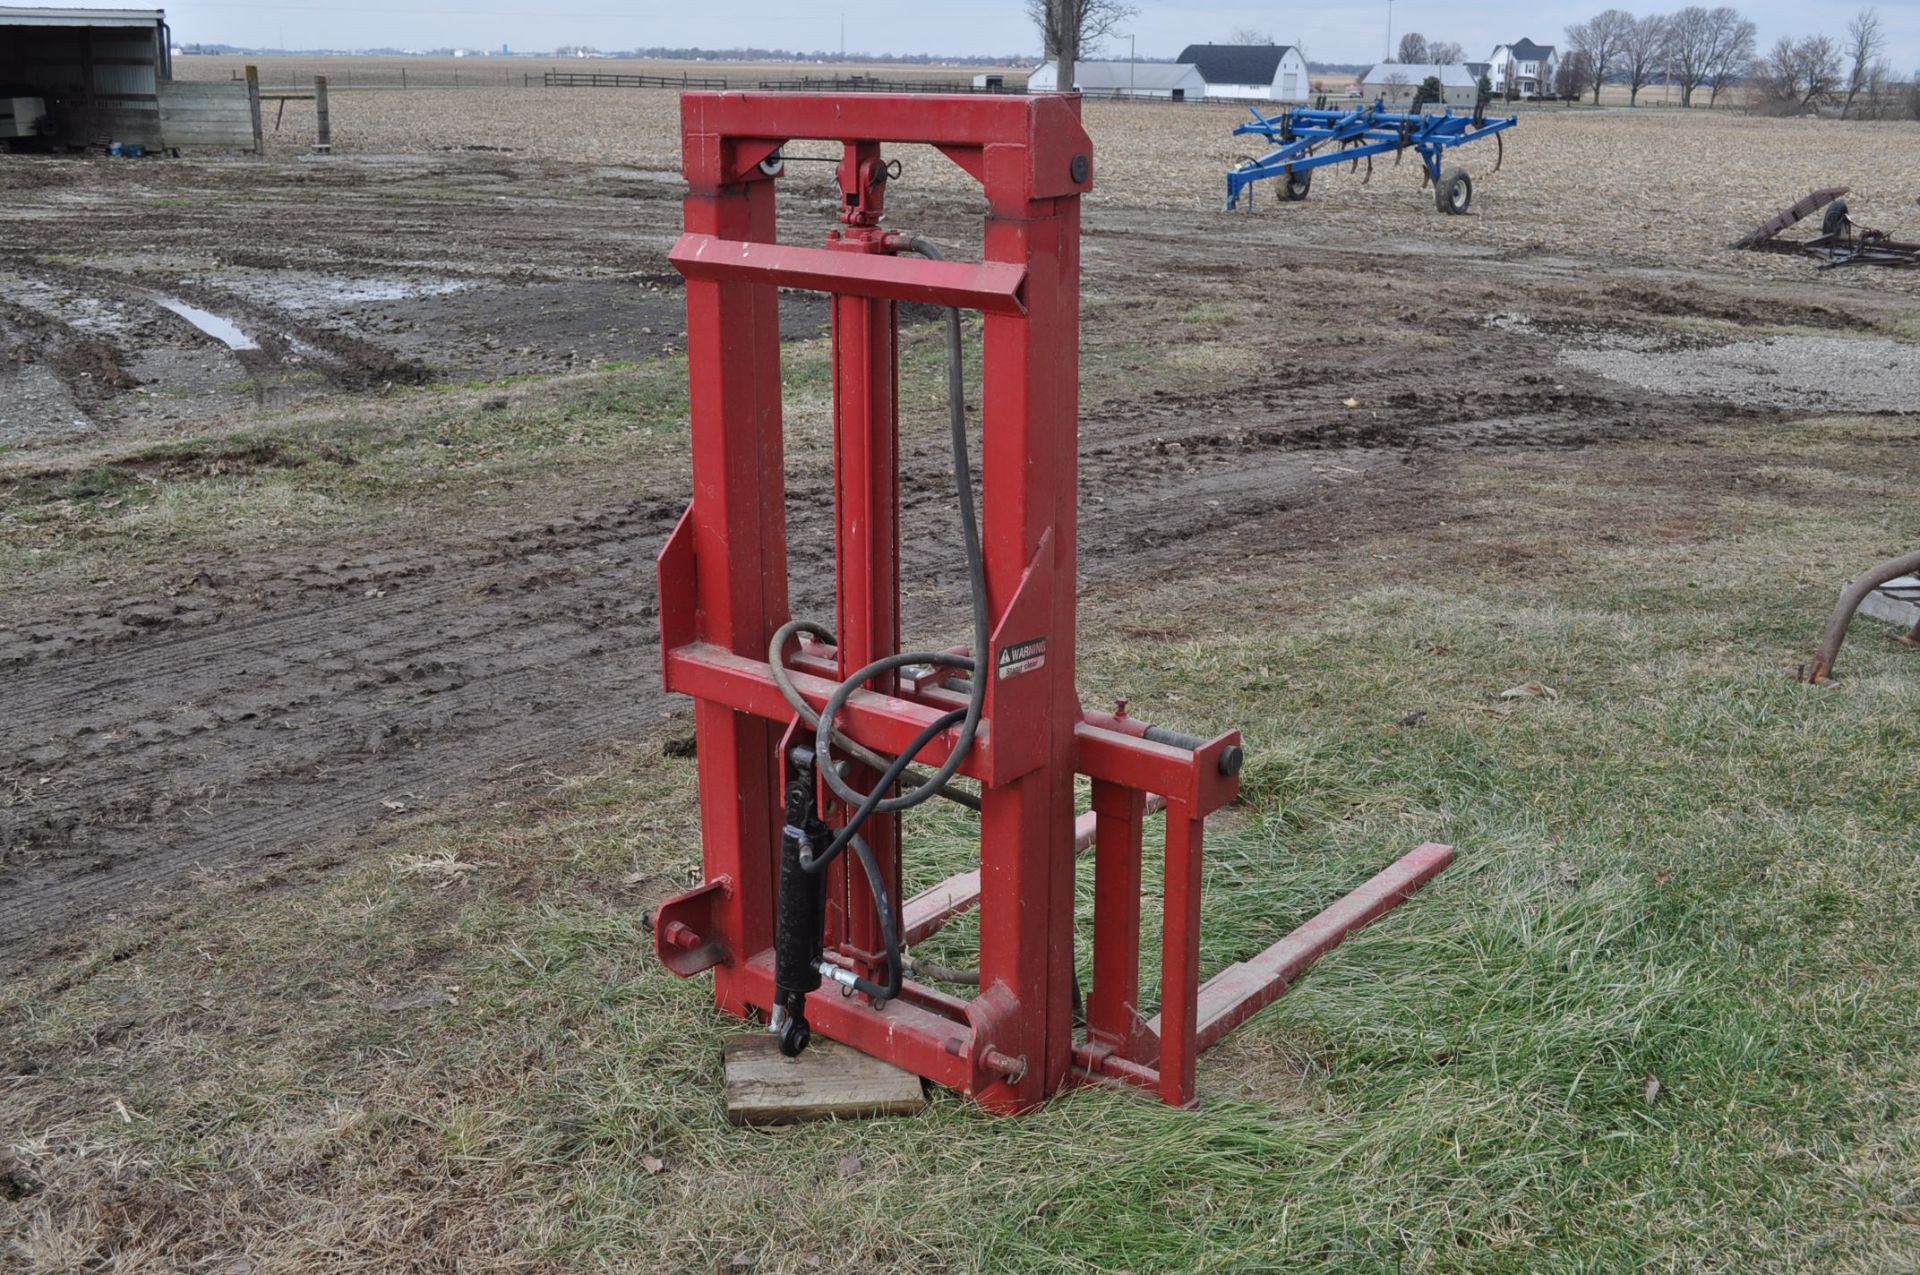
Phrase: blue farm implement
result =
(1309, 139)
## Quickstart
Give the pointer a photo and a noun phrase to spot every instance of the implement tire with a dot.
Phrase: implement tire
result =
(1453, 193)
(1295, 187)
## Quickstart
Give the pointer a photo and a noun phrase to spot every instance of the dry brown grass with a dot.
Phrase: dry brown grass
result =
(1653, 189)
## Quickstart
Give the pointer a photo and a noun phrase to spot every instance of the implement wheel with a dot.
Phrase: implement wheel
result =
(1295, 188)
(1453, 194)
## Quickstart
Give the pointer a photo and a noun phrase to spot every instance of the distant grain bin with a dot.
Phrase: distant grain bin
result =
(88, 78)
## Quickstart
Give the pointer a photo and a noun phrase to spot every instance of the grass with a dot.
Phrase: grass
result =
(1663, 1014)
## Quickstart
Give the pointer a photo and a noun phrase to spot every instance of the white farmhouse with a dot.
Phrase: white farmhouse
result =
(1530, 69)
(1397, 83)
(1176, 80)
(1258, 72)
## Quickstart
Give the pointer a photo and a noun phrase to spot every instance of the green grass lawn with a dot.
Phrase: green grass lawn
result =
(1663, 1014)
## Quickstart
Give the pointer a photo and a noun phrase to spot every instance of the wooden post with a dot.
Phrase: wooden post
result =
(253, 104)
(403, 77)
(325, 143)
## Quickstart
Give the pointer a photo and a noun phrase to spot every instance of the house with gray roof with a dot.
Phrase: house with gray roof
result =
(1524, 69)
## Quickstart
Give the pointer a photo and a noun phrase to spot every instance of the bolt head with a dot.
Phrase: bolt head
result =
(1080, 169)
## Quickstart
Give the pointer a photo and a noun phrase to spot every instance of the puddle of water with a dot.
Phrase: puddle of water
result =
(304, 293)
(212, 324)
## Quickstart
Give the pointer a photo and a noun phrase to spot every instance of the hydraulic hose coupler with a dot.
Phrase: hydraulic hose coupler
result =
(798, 920)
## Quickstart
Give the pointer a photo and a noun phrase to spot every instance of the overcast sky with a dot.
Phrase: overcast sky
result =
(1342, 31)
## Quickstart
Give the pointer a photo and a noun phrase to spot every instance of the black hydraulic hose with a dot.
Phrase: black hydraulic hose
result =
(977, 580)
(931, 731)
(877, 801)
(776, 655)
(889, 931)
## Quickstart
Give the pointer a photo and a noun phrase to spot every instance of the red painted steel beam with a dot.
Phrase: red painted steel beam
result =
(928, 912)
(900, 1032)
(1242, 990)
(1093, 1064)
(886, 723)
(992, 287)
(1019, 148)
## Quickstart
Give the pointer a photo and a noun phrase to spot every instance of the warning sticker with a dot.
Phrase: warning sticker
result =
(1021, 657)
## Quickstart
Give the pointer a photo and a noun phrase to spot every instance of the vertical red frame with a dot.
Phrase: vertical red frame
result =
(723, 593)
(1033, 161)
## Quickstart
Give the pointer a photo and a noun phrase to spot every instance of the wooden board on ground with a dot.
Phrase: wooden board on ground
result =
(827, 1081)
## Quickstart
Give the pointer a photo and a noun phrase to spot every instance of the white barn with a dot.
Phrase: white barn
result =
(1255, 72)
(1174, 80)
(1397, 83)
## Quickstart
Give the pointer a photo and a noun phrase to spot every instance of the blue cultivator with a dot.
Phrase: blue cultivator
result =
(1310, 139)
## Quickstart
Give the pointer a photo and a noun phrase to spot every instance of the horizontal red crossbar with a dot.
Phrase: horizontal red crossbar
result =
(989, 286)
(883, 722)
(899, 1031)
(1243, 989)
(966, 119)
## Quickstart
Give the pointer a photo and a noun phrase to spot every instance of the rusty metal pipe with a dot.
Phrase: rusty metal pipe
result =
(1820, 672)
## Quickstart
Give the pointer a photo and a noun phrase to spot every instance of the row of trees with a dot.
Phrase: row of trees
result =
(1808, 71)
(1715, 49)
(1415, 50)
(1696, 48)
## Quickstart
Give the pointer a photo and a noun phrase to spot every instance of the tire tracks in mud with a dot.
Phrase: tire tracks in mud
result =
(269, 710)
(264, 711)
(287, 345)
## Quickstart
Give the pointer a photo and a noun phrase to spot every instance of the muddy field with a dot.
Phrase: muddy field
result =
(234, 703)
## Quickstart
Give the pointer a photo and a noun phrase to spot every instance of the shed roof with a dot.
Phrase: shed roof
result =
(1106, 77)
(14, 16)
(1453, 76)
(1236, 63)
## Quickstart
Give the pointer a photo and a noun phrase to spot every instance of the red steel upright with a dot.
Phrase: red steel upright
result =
(723, 588)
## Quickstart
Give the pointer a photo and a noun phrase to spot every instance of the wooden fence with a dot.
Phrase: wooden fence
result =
(620, 80)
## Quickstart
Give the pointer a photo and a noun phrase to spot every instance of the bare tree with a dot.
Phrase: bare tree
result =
(1708, 47)
(1800, 73)
(1642, 53)
(1600, 40)
(1734, 44)
(1689, 34)
(1251, 35)
(1413, 48)
(1445, 53)
(1069, 28)
(1576, 72)
(1879, 90)
(1865, 39)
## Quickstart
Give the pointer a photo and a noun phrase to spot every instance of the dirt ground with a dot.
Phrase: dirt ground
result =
(1255, 385)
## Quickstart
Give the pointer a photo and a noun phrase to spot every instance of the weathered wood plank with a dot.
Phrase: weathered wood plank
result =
(253, 103)
(826, 1082)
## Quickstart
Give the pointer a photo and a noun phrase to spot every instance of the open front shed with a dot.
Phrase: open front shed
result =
(96, 72)
(91, 77)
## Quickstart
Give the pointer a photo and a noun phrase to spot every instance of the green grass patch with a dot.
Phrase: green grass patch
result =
(1664, 1012)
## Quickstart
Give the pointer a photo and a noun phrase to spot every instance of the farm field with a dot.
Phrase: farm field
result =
(336, 774)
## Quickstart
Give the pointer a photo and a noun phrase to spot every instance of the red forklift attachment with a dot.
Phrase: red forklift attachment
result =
(805, 734)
